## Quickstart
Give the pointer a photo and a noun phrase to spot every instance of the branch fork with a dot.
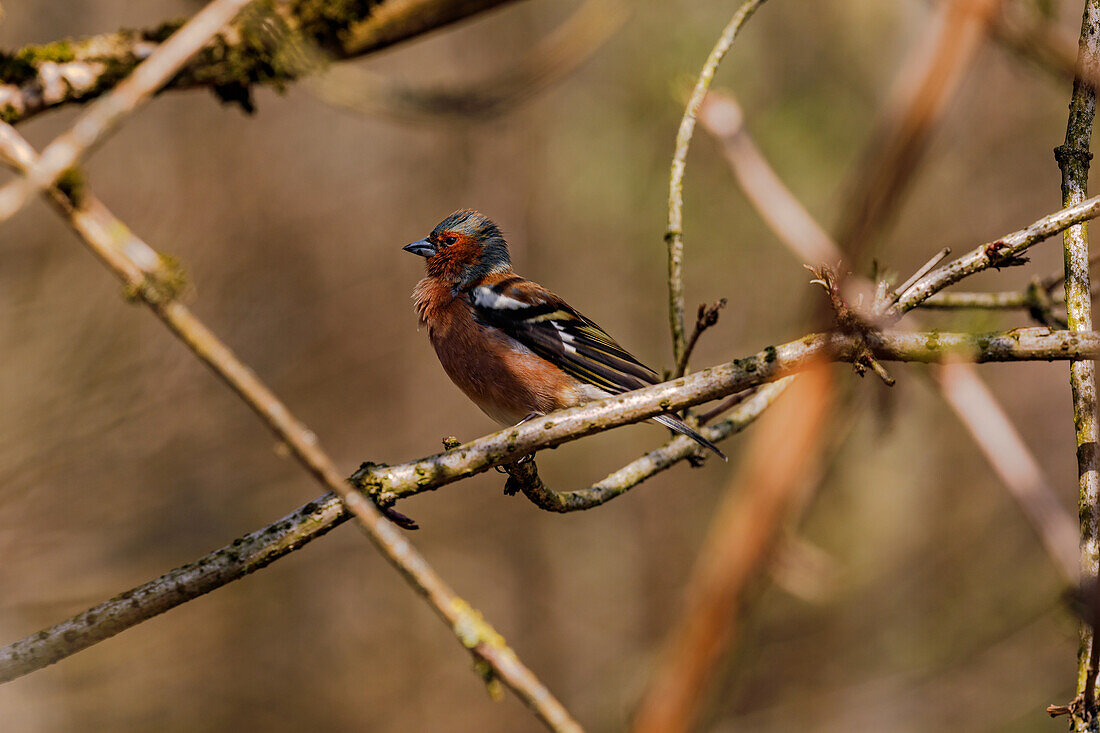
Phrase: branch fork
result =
(851, 323)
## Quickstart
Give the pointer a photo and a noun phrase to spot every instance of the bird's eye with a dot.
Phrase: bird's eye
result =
(450, 240)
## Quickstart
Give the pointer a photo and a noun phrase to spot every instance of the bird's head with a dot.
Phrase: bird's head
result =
(463, 248)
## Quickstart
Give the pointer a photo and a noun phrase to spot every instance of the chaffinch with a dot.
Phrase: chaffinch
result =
(513, 347)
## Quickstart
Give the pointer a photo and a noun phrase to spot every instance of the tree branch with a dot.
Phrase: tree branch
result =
(236, 560)
(390, 483)
(1004, 252)
(149, 279)
(525, 477)
(959, 384)
(254, 51)
(67, 149)
(1073, 161)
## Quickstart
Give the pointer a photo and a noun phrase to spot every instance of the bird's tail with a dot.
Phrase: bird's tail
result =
(674, 423)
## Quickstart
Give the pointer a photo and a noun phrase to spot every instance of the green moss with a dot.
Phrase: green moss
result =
(72, 186)
(9, 114)
(60, 52)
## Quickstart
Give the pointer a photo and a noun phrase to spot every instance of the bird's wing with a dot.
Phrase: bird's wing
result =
(548, 326)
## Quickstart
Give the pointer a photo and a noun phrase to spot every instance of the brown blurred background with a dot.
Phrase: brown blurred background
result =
(121, 457)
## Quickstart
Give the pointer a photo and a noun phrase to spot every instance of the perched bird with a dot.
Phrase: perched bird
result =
(516, 349)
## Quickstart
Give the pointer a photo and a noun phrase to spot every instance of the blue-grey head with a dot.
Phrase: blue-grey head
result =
(463, 248)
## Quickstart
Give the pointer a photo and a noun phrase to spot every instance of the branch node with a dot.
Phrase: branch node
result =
(998, 258)
(850, 322)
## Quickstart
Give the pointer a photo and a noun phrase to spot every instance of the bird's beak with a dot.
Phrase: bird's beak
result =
(421, 247)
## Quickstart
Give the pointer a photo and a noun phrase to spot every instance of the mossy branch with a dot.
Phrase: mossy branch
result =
(255, 51)
(1073, 161)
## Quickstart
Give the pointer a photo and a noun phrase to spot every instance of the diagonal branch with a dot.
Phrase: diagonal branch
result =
(102, 621)
(525, 477)
(38, 78)
(147, 279)
(999, 253)
(67, 149)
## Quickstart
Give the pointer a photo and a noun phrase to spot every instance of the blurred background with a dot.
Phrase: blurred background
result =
(931, 605)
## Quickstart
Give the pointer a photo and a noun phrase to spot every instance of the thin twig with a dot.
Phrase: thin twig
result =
(921, 272)
(1073, 161)
(1004, 300)
(674, 233)
(704, 319)
(999, 253)
(103, 115)
(142, 272)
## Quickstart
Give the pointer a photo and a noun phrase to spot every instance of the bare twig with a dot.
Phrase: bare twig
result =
(998, 253)
(674, 234)
(928, 80)
(921, 272)
(67, 149)
(1004, 300)
(146, 279)
(781, 462)
(1073, 161)
(704, 319)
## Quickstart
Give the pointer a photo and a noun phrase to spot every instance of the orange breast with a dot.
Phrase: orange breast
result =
(505, 379)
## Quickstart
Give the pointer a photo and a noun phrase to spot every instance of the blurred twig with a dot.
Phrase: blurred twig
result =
(1038, 39)
(102, 116)
(67, 72)
(960, 385)
(551, 59)
(1013, 461)
(674, 234)
(1073, 161)
(929, 78)
(781, 460)
(147, 279)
